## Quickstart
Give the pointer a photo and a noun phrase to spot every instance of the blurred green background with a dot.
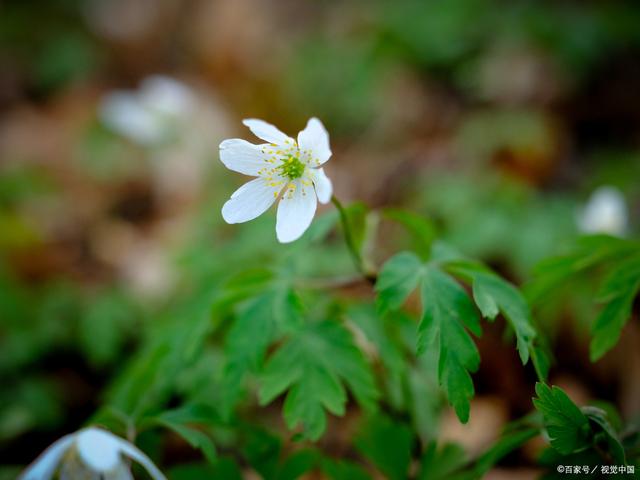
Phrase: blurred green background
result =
(496, 120)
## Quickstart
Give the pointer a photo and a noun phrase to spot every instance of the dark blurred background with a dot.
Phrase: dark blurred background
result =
(497, 120)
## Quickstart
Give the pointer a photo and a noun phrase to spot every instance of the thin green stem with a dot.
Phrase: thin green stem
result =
(350, 241)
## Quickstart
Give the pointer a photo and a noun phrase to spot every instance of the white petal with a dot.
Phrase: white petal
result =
(99, 449)
(139, 456)
(295, 211)
(124, 113)
(251, 200)
(267, 132)
(606, 212)
(315, 140)
(123, 474)
(167, 96)
(322, 184)
(45, 465)
(243, 157)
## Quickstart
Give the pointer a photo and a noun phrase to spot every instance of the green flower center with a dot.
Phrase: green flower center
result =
(291, 167)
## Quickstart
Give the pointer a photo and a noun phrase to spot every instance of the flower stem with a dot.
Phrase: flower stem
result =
(350, 241)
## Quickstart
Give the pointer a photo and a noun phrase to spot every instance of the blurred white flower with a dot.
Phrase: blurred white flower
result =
(605, 212)
(282, 165)
(178, 125)
(152, 114)
(92, 454)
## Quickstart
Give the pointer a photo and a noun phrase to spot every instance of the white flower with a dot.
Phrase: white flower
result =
(282, 166)
(149, 116)
(92, 454)
(605, 212)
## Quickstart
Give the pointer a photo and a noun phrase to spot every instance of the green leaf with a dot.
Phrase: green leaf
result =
(261, 322)
(387, 444)
(373, 326)
(447, 314)
(182, 421)
(567, 426)
(441, 463)
(608, 325)
(103, 326)
(262, 451)
(492, 294)
(541, 358)
(315, 365)
(421, 229)
(397, 279)
(605, 434)
(573, 430)
(224, 468)
(506, 444)
(624, 275)
(620, 289)
(343, 470)
(588, 252)
(298, 464)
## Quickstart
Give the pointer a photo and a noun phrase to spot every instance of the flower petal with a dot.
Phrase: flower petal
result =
(99, 449)
(123, 112)
(167, 96)
(251, 200)
(139, 456)
(267, 132)
(315, 140)
(243, 157)
(295, 211)
(45, 465)
(322, 184)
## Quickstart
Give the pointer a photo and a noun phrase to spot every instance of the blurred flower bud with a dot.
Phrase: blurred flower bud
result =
(605, 212)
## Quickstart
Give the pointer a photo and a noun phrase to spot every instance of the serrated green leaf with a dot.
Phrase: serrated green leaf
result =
(397, 279)
(315, 365)
(567, 426)
(259, 323)
(492, 294)
(387, 444)
(447, 314)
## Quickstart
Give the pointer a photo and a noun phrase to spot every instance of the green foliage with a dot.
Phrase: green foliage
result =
(448, 314)
(568, 427)
(264, 319)
(315, 365)
(440, 462)
(449, 461)
(620, 262)
(182, 421)
(494, 295)
(387, 444)
(397, 279)
(618, 291)
(572, 430)
(253, 331)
